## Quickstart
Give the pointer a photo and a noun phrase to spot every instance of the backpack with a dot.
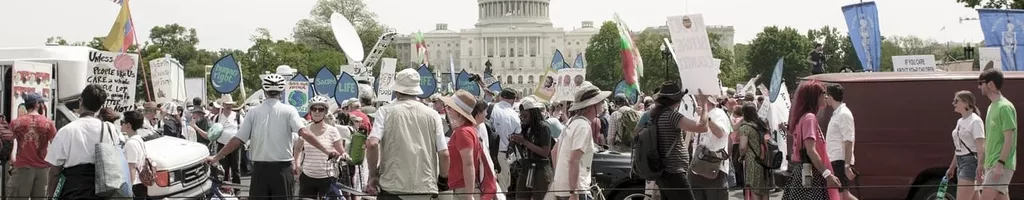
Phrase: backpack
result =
(772, 158)
(627, 127)
(147, 173)
(646, 161)
(356, 152)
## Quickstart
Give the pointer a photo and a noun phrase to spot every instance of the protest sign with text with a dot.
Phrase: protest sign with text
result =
(692, 51)
(914, 63)
(117, 74)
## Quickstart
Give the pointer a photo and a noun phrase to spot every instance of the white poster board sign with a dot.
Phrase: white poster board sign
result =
(913, 63)
(168, 78)
(990, 57)
(28, 77)
(198, 86)
(692, 51)
(569, 80)
(117, 74)
(386, 79)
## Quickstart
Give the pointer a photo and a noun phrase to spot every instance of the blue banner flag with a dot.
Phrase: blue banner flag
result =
(462, 82)
(347, 88)
(630, 92)
(1002, 28)
(324, 83)
(579, 61)
(776, 84)
(558, 61)
(428, 83)
(225, 76)
(862, 24)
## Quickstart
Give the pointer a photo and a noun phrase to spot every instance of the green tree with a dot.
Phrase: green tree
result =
(1007, 4)
(730, 73)
(658, 67)
(604, 63)
(773, 43)
(57, 40)
(315, 32)
(829, 37)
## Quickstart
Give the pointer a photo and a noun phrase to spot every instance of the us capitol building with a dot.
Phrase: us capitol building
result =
(516, 36)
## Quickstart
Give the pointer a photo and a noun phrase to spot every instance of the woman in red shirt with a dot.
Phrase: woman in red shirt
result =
(813, 172)
(466, 173)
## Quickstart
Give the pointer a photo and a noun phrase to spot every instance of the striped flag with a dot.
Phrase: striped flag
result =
(122, 33)
(632, 64)
(421, 47)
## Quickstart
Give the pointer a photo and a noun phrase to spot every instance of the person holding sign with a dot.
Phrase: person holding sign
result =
(270, 128)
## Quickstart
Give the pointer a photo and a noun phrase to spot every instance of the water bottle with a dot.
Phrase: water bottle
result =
(941, 195)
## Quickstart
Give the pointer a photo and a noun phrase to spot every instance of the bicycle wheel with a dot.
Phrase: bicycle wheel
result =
(637, 197)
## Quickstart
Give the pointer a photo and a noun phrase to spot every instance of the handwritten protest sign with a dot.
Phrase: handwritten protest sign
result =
(386, 79)
(29, 77)
(914, 63)
(692, 51)
(116, 73)
(167, 78)
(298, 93)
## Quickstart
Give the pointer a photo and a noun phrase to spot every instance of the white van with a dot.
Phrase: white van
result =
(181, 169)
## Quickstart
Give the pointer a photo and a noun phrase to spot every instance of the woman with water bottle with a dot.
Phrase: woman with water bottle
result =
(968, 138)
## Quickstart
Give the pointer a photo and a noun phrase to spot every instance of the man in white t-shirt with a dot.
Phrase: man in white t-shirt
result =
(839, 138)
(574, 151)
(717, 138)
(72, 152)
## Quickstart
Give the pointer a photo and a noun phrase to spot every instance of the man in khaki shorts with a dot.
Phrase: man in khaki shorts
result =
(1000, 138)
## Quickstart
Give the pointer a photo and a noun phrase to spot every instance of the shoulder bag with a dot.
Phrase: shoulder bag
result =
(111, 166)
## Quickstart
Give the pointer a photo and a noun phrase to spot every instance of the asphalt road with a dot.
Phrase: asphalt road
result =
(735, 194)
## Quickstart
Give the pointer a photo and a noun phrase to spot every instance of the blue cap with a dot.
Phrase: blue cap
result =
(33, 97)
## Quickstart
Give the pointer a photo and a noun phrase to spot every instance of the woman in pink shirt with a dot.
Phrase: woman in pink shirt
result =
(809, 178)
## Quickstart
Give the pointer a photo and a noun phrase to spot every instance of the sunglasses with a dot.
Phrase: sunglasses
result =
(318, 109)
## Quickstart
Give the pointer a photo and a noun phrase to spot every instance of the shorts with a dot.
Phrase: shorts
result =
(1001, 184)
(839, 170)
(967, 166)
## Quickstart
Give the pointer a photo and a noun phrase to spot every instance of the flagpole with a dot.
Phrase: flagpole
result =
(145, 79)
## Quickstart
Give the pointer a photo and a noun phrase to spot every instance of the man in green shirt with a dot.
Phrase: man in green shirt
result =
(1001, 137)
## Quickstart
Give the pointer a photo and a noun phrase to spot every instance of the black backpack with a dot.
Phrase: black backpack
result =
(646, 161)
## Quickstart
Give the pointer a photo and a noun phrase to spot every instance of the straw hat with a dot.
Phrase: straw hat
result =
(462, 102)
(588, 95)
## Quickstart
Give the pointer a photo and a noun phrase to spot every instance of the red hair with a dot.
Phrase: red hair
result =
(806, 100)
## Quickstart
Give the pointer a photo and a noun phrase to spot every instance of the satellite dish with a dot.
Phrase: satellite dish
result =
(347, 38)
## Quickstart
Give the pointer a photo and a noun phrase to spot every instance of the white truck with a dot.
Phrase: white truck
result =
(180, 166)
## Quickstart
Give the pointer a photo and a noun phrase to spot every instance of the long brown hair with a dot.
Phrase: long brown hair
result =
(806, 101)
(968, 98)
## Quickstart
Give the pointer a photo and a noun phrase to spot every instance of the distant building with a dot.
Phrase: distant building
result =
(516, 36)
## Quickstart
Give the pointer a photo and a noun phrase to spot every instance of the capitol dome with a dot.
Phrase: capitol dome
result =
(518, 13)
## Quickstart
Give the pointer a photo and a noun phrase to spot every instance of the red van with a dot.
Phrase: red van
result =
(904, 122)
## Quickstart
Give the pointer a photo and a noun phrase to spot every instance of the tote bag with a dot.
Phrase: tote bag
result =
(112, 172)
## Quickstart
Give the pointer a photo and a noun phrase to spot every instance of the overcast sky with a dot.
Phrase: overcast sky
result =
(229, 23)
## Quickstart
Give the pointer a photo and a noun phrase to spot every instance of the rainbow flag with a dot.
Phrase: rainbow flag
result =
(632, 64)
(123, 32)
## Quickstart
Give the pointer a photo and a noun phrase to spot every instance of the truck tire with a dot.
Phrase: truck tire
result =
(928, 193)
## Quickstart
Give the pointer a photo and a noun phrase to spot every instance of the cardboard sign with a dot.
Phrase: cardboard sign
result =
(117, 74)
(29, 77)
(915, 63)
(692, 51)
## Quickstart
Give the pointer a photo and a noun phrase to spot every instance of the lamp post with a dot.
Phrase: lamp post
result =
(667, 55)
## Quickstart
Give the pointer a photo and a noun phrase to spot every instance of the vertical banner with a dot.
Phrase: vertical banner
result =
(386, 79)
(451, 72)
(579, 61)
(347, 88)
(914, 63)
(862, 24)
(116, 73)
(632, 63)
(623, 88)
(546, 87)
(225, 76)
(167, 76)
(298, 93)
(29, 77)
(324, 82)
(569, 80)
(776, 84)
(428, 83)
(462, 82)
(1002, 30)
(990, 57)
(692, 49)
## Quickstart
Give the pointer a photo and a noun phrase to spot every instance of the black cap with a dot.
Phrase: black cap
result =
(507, 93)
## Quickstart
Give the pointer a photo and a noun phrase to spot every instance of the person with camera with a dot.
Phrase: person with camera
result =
(533, 171)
